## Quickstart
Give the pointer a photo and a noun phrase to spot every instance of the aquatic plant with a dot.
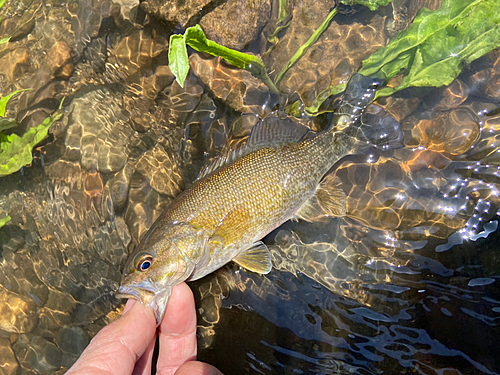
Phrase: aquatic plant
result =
(15, 151)
(431, 52)
(195, 38)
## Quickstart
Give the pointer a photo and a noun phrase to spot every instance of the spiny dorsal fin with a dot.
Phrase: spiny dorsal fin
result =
(270, 132)
(257, 258)
(328, 201)
(275, 132)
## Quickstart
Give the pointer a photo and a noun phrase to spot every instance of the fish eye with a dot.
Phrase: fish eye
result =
(144, 262)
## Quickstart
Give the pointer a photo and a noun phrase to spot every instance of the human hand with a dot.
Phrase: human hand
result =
(126, 345)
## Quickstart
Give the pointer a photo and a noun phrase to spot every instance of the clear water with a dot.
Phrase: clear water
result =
(406, 283)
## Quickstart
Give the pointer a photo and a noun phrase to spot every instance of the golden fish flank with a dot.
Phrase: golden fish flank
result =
(245, 194)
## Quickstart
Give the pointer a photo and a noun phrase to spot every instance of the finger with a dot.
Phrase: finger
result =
(143, 365)
(118, 346)
(197, 368)
(177, 334)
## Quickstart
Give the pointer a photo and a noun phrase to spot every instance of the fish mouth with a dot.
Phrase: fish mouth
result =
(156, 300)
(133, 293)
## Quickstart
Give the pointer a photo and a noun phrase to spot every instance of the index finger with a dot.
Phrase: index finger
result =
(177, 333)
(118, 346)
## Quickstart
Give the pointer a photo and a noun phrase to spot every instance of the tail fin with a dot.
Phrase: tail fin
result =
(381, 132)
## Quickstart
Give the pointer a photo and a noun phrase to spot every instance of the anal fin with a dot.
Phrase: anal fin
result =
(328, 201)
(257, 258)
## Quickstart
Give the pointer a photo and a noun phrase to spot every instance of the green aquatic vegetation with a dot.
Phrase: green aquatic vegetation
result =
(3, 40)
(4, 220)
(196, 39)
(15, 151)
(370, 4)
(283, 15)
(432, 51)
(5, 99)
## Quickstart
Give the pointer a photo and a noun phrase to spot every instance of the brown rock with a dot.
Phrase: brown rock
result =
(332, 59)
(16, 314)
(9, 364)
(238, 88)
(15, 64)
(60, 60)
(236, 23)
(452, 132)
(174, 10)
(136, 52)
(448, 97)
(161, 171)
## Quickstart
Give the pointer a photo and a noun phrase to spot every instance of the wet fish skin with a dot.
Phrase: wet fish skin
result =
(226, 213)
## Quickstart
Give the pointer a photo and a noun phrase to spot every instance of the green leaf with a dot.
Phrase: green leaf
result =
(195, 38)
(4, 100)
(370, 4)
(7, 123)
(4, 220)
(2, 3)
(178, 58)
(434, 48)
(16, 151)
(4, 40)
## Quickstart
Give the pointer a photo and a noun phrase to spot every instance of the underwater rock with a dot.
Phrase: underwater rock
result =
(399, 108)
(144, 207)
(9, 365)
(75, 253)
(18, 275)
(63, 171)
(238, 88)
(155, 83)
(126, 6)
(92, 191)
(332, 59)
(118, 186)
(236, 23)
(16, 314)
(61, 61)
(173, 10)
(135, 53)
(485, 83)
(72, 341)
(99, 134)
(453, 132)
(449, 97)
(161, 171)
(15, 64)
(37, 354)
(86, 20)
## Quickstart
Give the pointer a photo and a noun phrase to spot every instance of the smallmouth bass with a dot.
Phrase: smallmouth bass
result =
(246, 193)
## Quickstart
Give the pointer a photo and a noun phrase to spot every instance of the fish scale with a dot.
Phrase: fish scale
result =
(243, 196)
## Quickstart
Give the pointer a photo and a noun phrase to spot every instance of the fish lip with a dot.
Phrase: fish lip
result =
(128, 292)
(156, 301)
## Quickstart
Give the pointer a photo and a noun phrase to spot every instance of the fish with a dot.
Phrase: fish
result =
(281, 173)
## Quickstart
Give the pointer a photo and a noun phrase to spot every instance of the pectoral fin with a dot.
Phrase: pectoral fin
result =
(256, 258)
(328, 201)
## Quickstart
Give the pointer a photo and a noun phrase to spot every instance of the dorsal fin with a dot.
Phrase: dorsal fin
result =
(269, 132)
(275, 132)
